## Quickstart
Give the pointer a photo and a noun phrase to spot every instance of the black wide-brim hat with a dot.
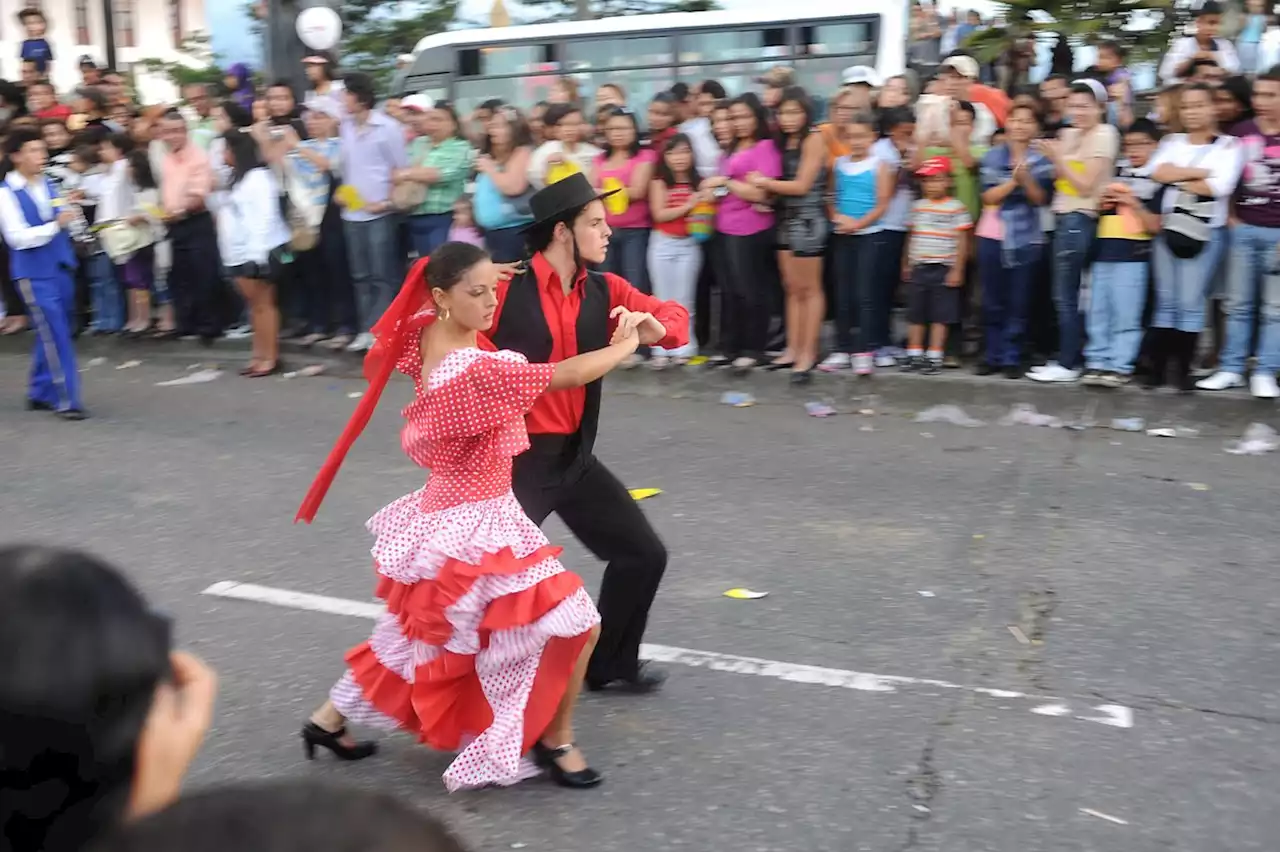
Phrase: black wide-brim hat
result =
(553, 200)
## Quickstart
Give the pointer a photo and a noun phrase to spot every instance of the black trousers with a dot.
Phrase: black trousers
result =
(746, 281)
(554, 477)
(195, 279)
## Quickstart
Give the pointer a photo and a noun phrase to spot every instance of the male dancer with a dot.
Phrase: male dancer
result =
(554, 310)
(42, 263)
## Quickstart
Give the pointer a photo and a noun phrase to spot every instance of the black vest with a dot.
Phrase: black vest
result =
(522, 327)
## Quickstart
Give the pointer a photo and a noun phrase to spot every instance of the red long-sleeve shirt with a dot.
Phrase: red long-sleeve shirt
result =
(560, 412)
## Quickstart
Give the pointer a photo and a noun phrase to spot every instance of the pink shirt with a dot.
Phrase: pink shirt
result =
(637, 214)
(737, 217)
(186, 179)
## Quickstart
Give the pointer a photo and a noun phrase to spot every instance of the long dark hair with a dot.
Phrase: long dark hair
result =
(800, 97)
(622, 112)
(244, 154)
(663, 171)
(751, 102)
(143, 177)
(520, 136)
(81, 655)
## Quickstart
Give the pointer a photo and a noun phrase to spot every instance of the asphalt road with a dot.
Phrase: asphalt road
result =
(1135, 707)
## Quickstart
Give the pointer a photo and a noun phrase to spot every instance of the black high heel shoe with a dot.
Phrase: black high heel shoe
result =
(313, 735)
(580, 779)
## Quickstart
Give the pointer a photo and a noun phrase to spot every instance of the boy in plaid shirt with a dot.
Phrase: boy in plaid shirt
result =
(933, 267)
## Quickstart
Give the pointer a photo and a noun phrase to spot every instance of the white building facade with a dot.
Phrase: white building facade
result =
(144, 29)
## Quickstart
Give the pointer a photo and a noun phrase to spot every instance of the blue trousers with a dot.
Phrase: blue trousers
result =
(429, 231)
(51, 303)
(1006, 297)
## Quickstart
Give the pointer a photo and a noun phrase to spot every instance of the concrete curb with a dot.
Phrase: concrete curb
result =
(887, 393)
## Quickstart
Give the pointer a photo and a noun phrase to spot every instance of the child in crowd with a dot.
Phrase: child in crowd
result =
(863, 185)
(674, 256)
(35, 48)
(565, 150)
(84, 187)
(1130, 214)
(464, 228)
(937, 248)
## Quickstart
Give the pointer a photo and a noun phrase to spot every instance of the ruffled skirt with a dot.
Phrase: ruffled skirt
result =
(482, 631)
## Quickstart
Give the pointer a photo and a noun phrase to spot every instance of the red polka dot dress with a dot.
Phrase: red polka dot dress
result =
(483, 625)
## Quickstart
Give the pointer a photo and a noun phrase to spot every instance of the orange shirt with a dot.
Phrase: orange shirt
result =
(559, 412)
(186, 180)
(993, 99)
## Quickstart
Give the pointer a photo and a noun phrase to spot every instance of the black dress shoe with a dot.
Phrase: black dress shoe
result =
(314, 736)
(648, 678)
(37, 405)
(580, 779)
(73, 414)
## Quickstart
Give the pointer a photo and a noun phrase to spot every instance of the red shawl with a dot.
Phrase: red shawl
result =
(389, 343)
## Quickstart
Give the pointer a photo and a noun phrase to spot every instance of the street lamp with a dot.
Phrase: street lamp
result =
(109, 31)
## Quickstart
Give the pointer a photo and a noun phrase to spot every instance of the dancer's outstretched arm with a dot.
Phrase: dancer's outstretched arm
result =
(586, 368)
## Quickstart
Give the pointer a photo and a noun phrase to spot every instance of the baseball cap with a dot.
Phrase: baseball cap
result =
(860, 75)
(934, 166)
(86, 61)
(417, 103)
(965, 66)
(778, 77)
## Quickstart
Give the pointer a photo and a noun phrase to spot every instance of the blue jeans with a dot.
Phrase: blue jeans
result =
(108, 305)
(1182, 284)
(375, 266)
(429, 232)
(859, 294)
(1253, 284)
(55, 379)
(629, 257)
(1117, 295)
(1071, 244)
(1006, 298)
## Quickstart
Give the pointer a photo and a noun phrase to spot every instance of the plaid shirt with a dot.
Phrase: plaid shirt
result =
(452, 158)
(1022, 232)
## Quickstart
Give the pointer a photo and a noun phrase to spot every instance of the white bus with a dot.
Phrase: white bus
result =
(646, 54)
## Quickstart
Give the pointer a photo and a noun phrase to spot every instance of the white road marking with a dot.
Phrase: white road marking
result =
(1112, 715)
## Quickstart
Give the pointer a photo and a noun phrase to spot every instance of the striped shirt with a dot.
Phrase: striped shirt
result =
(935, 230)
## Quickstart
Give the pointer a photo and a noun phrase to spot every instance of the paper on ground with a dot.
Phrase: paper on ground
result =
(644, 493)
(197, 378)
(745, 595)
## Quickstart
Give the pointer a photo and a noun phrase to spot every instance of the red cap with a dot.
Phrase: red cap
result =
(934, 166)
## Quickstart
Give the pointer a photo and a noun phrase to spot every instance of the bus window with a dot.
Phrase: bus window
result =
(726, 44)
(831, 39)
(639, 85)
(617, 53)
(821, 77)
(514, 59)
(736, 78)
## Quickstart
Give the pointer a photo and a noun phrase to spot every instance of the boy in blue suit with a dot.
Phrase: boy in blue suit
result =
(34, 221)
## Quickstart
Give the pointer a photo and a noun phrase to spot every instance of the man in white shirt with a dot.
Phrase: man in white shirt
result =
(34, 223)
(1179, 62)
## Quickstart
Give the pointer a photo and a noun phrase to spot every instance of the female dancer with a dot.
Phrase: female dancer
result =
(486, 637)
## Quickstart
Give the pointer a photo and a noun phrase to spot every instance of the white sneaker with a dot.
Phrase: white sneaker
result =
(1055, 373)
(1263, 386)
(363, 341)
(239, 332)
(835, 361)
(884, 359)
(1222, 380)
(863, 364)
(1048, 365)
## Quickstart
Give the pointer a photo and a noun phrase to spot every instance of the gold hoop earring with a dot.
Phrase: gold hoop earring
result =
(445, 316)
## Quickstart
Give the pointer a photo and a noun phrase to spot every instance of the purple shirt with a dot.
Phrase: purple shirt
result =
(737, 217)
(370, 152)
(1258, 196)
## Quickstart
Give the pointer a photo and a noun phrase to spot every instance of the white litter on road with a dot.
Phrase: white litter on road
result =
(197, 378)
(1257, 440)
(1110, 715)
(128, 365)
(1024, 414)
(1100, 815)
(953, 414)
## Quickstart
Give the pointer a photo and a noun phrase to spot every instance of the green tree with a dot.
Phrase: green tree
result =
(1144, 32)
(560, 10)
(375, 32)
(196, 62)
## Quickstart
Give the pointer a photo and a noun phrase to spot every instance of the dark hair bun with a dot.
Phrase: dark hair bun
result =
(450, 262)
